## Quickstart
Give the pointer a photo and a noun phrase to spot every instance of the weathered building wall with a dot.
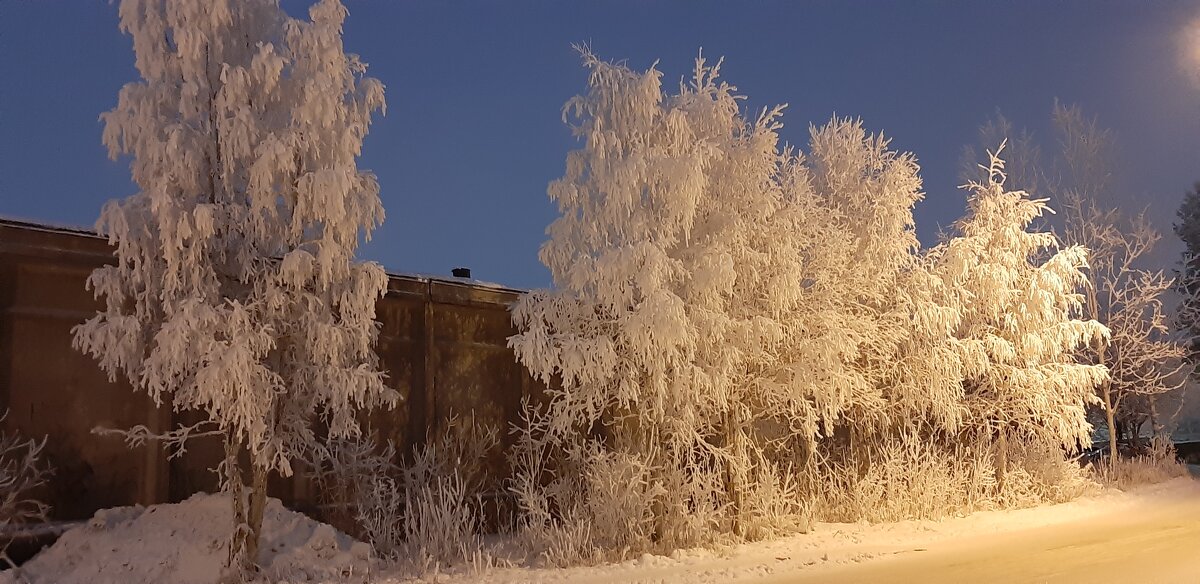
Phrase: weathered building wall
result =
(442, 343)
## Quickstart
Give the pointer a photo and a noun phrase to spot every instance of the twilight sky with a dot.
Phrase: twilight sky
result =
(473, 132)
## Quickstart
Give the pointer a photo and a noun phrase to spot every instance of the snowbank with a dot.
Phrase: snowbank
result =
(186, 543)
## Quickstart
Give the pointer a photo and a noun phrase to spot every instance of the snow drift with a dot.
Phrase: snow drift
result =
(188, 543)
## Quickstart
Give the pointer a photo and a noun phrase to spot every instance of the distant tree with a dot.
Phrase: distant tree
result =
(1145, 359)
(1187, 228)
(1024, 169)
(235, 291)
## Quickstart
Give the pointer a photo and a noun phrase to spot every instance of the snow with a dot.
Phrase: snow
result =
(184, 543)
(1033, 541)
(43, 225)
(425, 277)
(187, 543)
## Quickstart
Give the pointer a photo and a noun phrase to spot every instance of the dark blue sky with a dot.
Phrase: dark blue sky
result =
(473, 131)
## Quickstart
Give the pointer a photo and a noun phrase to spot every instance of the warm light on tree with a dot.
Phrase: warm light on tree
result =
(235, 291)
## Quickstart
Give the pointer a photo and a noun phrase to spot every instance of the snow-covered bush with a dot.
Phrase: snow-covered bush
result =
(22, 472)
(1158, 464)
(235, 291)
(772, 503)
(425, 527)
(342, 470)
(907, 477)
(426, 515)
(599, 506)
(1039, 472)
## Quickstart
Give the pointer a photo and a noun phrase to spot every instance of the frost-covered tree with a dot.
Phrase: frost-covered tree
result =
(1020, 296)
(681, 250)
(235, 292)
(737, 331)
(719, 302)
(1124, 291)
(870, 190)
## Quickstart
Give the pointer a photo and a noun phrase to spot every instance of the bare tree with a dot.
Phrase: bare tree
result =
(1144, 357)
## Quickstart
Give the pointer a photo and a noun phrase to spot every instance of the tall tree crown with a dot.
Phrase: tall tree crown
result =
(235, 290)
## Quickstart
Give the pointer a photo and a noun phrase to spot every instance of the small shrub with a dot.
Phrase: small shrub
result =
(22, 471)
(1040, 473)
(426, 515)
(772, 505)
(1157, 465)
(344, 471)
(910, 477)
(903, 478)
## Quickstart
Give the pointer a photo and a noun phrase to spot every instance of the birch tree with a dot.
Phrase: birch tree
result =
(1124, 291)
(235, 291)
(1146, 359)
(714, 295)
(871, 191)
(1020, 296)
(683, 242)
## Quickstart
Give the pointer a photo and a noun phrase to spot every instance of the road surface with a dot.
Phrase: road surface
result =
(1156, 541)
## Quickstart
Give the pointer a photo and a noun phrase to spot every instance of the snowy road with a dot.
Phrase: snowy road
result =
(1153, 541)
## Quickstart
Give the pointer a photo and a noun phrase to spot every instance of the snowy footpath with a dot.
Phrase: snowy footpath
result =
(1151, 535)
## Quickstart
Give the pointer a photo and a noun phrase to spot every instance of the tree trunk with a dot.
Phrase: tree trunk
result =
(1155, 428)
(1135, 432)
(1112, 426)
(1001, 458)
(734, 479)
(248, 516)
(248, 532)
(258, 503)
(233, 482)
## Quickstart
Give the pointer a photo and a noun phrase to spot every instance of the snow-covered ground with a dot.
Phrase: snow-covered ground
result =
(1149, 535)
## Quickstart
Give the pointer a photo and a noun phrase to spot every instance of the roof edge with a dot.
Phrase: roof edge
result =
(26, 224)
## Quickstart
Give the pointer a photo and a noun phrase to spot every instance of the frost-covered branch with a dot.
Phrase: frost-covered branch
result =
(175, 441)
